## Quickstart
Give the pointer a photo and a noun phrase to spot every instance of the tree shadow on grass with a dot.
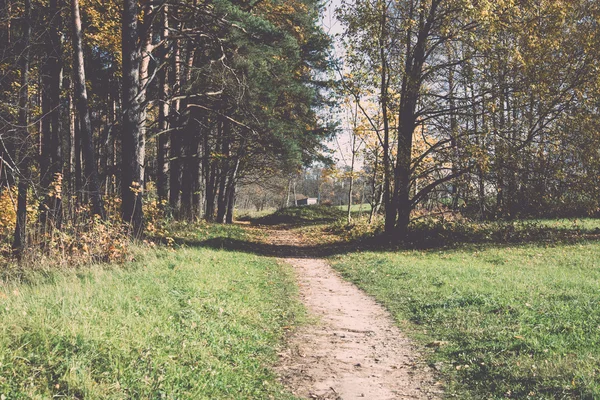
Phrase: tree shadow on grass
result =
(270, 249)
(418, 239)
(482, 383)
(432, 235)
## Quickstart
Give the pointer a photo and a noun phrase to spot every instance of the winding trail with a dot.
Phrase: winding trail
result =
(355, 351)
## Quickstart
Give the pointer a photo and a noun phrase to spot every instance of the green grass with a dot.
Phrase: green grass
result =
(356, 208)
(582, 224)
(249, 215)
(301, 215)
(502, 322)
(186, 323)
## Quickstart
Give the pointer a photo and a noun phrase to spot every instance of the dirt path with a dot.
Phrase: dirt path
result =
(354, 351)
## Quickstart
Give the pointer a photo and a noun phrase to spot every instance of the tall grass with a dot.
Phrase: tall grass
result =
(190, 323)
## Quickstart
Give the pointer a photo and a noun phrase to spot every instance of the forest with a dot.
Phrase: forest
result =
(486, 107)
(110, 110)
(124, 112)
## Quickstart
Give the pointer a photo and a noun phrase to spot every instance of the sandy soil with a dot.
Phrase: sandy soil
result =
(354, 351)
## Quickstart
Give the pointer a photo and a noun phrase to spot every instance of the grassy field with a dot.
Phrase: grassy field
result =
(516, 315)
(356, 208)
(499, 321)
(184, 323)
(302, 215)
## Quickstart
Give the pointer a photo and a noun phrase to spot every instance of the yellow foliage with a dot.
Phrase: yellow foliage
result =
(8, 215)
(282, 14)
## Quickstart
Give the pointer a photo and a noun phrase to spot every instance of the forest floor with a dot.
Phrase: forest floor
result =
(353, 350)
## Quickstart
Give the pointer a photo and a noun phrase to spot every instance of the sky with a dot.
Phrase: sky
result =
(330, 24)
(342, 144)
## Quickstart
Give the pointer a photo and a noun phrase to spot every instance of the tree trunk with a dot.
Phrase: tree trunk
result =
(51, 154)
(85, 125)
(175, 173)
(191, 167)
(401, 197)
(80, 198)
(390, 211)
(133, 141)
(223, 174)
(195, 166)
(175, 136)
(453, 132)
(20, 239)
(222, 196)
(287, 198)
(187, 181)
(231, 185)
(70, 151)
(162, 182)
(230, 203)
(295, 196)
(209, 169)
(351, 186)
(410, 93)
(211, 191)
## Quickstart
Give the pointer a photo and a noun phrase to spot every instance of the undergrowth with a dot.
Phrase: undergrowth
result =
(451, 231)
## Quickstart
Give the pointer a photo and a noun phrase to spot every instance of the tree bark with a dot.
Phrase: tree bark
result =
(162, 180)
(390, 211)
(71, 151)
(175, 173)
(175, 136)
(232, 183)
(85, 125)
(133, 141)
(209, 169)
(351, 185)
(376, 190)
(453, 133)
(20, 239)
(223, 173)
(295, 195)
(230, 203)
(211, 192)
(191, 168)
(51, 154)
(410, 94)
(287, 198)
